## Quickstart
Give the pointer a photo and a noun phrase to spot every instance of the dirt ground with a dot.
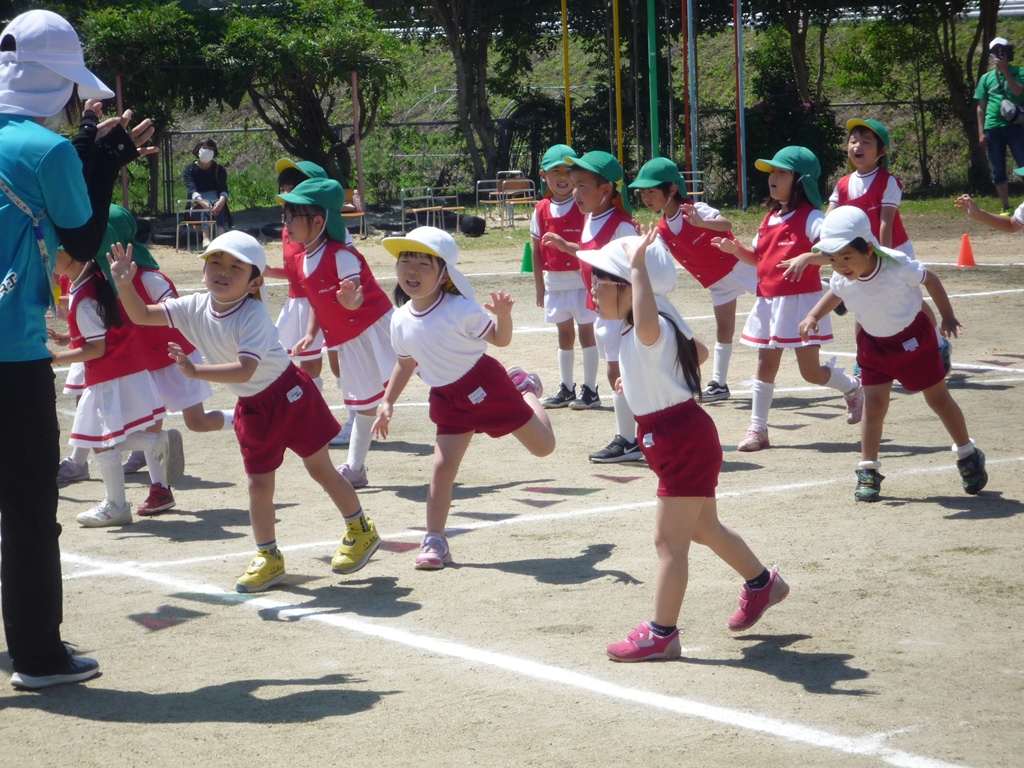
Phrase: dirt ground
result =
(900, 642)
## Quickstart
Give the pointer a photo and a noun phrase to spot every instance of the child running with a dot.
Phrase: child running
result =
(348, 305)
(883, 288)
(686, 229)
(120, 405)
(560, 289)
(790, 229)
(441, 333)
(278, 406)
(597, 189)
(660, 377)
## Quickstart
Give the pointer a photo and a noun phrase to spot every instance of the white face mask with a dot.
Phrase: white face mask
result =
(205, 155)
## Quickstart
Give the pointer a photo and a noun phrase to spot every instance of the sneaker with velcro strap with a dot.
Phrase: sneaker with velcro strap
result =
(587, 400)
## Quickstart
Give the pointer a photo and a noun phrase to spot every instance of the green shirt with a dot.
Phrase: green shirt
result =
(992, 89)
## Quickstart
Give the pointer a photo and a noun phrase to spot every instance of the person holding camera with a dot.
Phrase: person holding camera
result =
(1000, 96)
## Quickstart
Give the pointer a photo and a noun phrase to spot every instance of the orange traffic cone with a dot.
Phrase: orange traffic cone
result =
(966, 253)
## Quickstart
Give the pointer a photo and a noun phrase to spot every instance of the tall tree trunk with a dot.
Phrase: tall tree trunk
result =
(797, 22)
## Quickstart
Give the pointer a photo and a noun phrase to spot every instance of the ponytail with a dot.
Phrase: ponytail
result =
(109, 309)
(686, 358)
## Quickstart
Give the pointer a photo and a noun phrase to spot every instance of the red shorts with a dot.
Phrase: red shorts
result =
(883, 359)
(681, 445)
(290, 413)
(484, 400)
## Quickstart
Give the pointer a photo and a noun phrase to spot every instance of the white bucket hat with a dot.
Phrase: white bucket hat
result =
(661, 268)
(841, 227)
(37, 77)
(437, 243)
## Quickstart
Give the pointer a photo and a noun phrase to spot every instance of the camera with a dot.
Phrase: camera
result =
(1003, 52)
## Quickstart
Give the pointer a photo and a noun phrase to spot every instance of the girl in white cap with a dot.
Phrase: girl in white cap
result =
(441, 333)
(278, 406)
(49, 193)
(660, 364)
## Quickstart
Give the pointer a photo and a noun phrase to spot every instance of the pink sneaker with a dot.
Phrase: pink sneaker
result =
(434, 554)
(755, 440)
(526, 382)
(754, 602)
(854, 404)
(643, 645)
(160, 499)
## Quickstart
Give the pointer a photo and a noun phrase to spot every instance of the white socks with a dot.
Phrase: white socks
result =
(720, 369)
(359, 443)
(146, 442)
(841, 381)
(625, 424)
(566, 361)
(109, 465)
(591, 362)
(764, 392)
(963, 451)
(79, 455)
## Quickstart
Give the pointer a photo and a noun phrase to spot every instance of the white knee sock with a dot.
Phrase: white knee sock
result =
(764, 392)
(319, 381)
(79, 455)
(229, 419)
(566, 362)
(841, 381)
(146, 442)
(109, 465)
(359, 443)
(591, 362)
(625, 424)
(720, 369)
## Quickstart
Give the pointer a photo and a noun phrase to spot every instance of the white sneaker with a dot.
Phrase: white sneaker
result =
(68, 471)
(136, 460)
(355, 477)
(343, 437)
(106, 513)
(171, 455)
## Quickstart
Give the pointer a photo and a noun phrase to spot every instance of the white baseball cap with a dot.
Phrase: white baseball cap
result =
(998, 41)
(841, 227)
(38, 75)
(437, 243)
(242, 246)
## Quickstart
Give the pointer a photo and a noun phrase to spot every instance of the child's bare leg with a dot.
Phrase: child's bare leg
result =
(676, 520)
(198, 419)
(810, 365)
(587, 336)
(261, 508)
(613, 373)
(768, 361)
(566, 334)
(312, 367)
(725, 322)
(536, 435)
(321, 469)
(876, 406)
(725, 542)
(448, 453)
(945, 407)
(332, 361)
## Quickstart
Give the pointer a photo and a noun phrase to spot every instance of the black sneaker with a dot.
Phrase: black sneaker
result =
(715, 391)
(588, 399)
(619, 449)
(869, 484)
(560, 399)
(972, 472)
(75, 670)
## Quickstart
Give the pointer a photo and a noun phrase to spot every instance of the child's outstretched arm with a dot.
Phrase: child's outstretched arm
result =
(949, 325)
(123, 269)
(795, 267)
(1003, 223)
(692, 214)
(736, 248)
(645, 308)
(237, 372)
(501, 306)
(825, 304)
(404, 369)
(550, 238)
(538, 270)
(90, 350)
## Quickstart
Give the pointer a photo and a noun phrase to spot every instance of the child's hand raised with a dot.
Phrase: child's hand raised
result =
(350, 295)
(691, 214)
(966, 204)
(636, 250)
(122, 268)
(501, 304)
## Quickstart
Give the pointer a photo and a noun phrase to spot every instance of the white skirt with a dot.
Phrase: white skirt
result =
(176, 390)
(110, 411)
(560, 306)
(774, 322)
(291, 327)
(742, 280)
(75, 382)
(609, 339)
(366, 363)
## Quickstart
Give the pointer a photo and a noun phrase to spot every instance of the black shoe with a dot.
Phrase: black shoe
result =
(972, 472)
(561, 399)
(588, 399)
(714, 392)
(74, 670)
(619, 449)
(869, 485)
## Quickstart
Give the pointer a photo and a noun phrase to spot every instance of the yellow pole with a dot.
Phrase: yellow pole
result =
(565, 68)
(618, 78)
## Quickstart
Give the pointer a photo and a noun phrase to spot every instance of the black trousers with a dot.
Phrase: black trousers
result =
(30, 577)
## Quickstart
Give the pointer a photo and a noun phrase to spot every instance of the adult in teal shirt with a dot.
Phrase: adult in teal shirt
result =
(994, 133)
(53, 191)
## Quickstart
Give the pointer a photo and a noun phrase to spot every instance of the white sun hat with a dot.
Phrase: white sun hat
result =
(437, 243)
(38, 75)
(841, 227)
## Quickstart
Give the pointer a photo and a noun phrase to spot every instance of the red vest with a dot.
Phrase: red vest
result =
(339, 324)
(693, 249)
(570, 227)
(871, 203)
(293, 255)
(783, 241)
(120, 357)
(601, 239)
(151, 340)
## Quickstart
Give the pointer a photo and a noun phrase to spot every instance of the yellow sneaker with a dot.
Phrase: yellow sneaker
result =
(265, 570)
(356, 548)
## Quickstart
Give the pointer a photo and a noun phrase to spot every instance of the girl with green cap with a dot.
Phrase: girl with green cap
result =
(791, 228)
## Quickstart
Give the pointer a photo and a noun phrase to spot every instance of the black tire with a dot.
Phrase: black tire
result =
(162, 238)
(271, 231)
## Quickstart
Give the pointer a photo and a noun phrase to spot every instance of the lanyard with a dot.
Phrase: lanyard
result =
(10, 279)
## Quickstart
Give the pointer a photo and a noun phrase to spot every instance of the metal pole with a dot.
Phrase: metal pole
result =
(741, 123)
(618, 78)
(565, 69)
(652, 76)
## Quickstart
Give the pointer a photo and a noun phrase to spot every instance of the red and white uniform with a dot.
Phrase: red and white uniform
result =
(119, 396)
(565, 296)
(781, 304)
(871, 192)
(362, 336)
(598, 231)
(293, 320)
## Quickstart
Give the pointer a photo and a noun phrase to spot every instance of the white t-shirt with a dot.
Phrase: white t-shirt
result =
(892, 196)
(446, 340)
(651, 378)
(157, 287)
(244, 330)
(1018, 215)
(814, 220)
(886, 301)
(557, 281)
(675, 223)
